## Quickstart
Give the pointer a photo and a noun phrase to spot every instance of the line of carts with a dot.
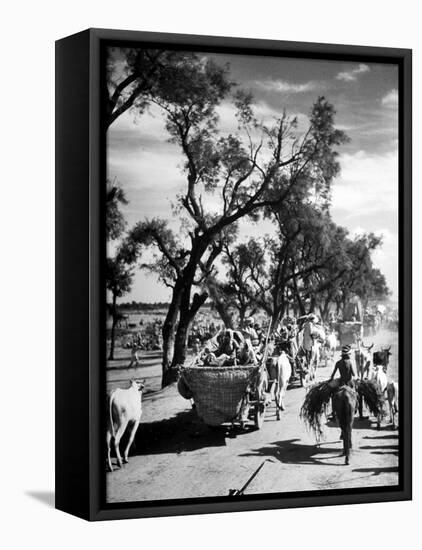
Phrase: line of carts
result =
(241, 394)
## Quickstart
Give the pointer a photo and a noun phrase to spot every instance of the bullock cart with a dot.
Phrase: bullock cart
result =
(350, 333)
(226, 394)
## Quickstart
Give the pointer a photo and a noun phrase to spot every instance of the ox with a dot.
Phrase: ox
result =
(330, 346)
(382, 358)
(125, 409)
(393, 401)
(279, 372)
(379, 378)
(315, 355)
(363, 360)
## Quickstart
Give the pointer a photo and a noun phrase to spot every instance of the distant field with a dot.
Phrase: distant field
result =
(151, 316)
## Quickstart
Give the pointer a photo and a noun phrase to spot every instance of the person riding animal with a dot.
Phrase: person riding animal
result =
(347, 373)
(346, 370)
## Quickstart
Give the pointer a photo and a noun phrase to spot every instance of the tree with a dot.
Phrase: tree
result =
(115, 223)
(222, 300)
(346, 270)
(246, 271)
(136, 75)
(264, 273)
(119, 278)
(119, 274)
(244, 173)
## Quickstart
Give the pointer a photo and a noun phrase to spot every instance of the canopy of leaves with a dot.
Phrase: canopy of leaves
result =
(115, 222)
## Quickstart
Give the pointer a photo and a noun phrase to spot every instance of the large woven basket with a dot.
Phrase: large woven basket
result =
(218, 392)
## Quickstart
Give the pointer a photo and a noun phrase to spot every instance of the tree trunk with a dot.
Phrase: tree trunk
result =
(226, 317)
(168, 331)
(300, 303)
(312, 305)
(278, 314)
(113, 327)
(181, 344)
(187, 315)
(242, 315)
(221, 307)
(181, 305)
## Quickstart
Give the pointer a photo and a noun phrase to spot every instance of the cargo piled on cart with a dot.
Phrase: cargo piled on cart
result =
(233, 393)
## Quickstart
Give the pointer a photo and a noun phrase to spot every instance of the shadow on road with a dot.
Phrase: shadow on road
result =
(394, 453)
(392, 436)
(377, 471)
(380, 447)
(292, 451)
(180, 433)
(358, 424)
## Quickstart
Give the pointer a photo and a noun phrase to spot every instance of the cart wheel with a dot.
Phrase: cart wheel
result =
(259, 414)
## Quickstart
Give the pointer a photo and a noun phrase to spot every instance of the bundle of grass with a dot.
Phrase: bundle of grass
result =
(372, 397)
(315, 406)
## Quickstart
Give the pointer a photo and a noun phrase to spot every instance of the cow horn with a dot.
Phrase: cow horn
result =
(387, 349)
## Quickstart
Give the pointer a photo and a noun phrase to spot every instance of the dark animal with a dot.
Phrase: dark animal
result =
(382, 358)
(344, 399)
(344, 406)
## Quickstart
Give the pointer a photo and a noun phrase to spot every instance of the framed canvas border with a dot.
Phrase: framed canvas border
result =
(80, 284)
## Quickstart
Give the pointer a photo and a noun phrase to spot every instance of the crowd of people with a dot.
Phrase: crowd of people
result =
(245, 345)
(234, 347)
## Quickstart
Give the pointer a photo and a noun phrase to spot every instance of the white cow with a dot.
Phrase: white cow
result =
(279, 373)
(331, 344)
(125, 409)
(363, 360)
(315, 357)
(393, 401)
(379, 378)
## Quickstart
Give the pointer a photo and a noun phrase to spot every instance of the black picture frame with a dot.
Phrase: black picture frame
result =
(80, 287)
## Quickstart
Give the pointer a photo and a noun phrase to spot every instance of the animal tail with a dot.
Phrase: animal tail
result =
(110, 410)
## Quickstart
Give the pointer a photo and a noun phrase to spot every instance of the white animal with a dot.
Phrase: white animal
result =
(393, 401)
(379, 378)
(315, 358)
(330, 346)
(279, 373)
(125, 409)
(363, 359)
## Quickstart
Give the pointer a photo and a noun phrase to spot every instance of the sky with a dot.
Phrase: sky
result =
(364, 195)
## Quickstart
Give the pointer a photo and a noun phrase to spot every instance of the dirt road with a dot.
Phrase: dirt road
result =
(178, 457)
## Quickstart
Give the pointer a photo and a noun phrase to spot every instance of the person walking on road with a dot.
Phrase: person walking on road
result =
(134, 358)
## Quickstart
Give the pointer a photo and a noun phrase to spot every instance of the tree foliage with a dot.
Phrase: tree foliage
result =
(115, 222)
(270, 171)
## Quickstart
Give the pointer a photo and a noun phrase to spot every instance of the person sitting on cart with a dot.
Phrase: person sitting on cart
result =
(229, 344)
(247, 354)
(210, 359)
(250, 332)
(260, 333)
